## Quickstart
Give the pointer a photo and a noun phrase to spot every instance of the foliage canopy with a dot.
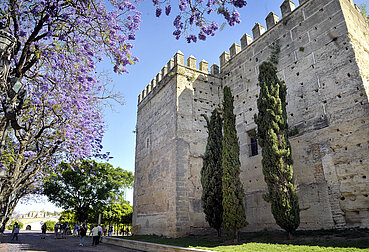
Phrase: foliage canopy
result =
(86, 186)
(234, 216)
(211, 172)
(277, 161)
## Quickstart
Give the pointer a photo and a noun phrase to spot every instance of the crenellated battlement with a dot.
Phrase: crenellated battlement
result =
(178, 59)
(258, 30)
(156, 81)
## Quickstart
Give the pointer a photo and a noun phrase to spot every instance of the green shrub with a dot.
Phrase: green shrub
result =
(50, 225)
(10, 226)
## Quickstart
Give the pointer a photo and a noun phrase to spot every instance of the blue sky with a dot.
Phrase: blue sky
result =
(155, 45)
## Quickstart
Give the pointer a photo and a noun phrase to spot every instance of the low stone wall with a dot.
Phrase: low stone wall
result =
(147, 246)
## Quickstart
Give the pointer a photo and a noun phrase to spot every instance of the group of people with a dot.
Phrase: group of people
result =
(98, 231)
(104, 229)
(79, 230)
(61, 230)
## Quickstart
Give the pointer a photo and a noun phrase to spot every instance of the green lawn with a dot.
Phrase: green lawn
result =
(254, 247)
(321, 240)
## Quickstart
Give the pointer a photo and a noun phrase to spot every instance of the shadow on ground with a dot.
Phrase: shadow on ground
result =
(31, 241)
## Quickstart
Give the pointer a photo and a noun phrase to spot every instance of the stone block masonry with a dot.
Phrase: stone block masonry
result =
(170, 139)
(323, 59)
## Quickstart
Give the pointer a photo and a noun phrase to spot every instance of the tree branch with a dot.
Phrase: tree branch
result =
(27, 46)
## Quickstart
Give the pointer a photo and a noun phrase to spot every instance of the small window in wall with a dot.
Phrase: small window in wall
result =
(253, 143)
(147, 142)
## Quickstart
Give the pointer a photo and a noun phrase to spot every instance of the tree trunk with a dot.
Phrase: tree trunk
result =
(219, 232)
(10, 196)
(8, 201)
(290, 236)
(3, 126)
(4, 203)
(236, 237)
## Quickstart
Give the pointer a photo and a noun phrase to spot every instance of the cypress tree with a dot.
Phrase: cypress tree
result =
(211, 173)
(276, 149)
(234, 216)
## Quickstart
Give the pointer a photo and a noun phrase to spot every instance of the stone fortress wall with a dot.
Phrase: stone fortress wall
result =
(323, 59)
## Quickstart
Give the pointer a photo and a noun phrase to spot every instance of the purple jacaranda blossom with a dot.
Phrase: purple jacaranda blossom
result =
(64, 16)
(192, 19)
(158, 11)
(177, 23)
(190, 38)
(137, 19)
(202, 36)
(239, 3)
(168, 8)
(62, 37)
(194, 14)
(22, 33)
(177, 33)
(182, 5)
(29, 153)
(234, 18)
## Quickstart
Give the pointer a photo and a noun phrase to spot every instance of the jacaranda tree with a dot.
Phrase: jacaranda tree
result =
(51, 96)
(50, 92)
(234, 216)
(195, 12)
(211, 173)
(272, 134)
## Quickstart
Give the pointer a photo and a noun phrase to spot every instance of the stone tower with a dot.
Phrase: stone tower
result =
(324, 55)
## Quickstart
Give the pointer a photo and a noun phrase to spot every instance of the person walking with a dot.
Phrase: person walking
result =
(100, 232)
(92, 226)
(82, 233)
(61, 229)
(43, 231)
(75, 230)
(95, 236)
(15, 231)
(66, 230)
(110, 232)
(56, 229)
(79, 229)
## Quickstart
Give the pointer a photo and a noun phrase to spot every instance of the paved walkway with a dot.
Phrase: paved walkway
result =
(31, 241)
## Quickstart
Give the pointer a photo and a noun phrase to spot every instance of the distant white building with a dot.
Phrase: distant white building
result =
(35, 218)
